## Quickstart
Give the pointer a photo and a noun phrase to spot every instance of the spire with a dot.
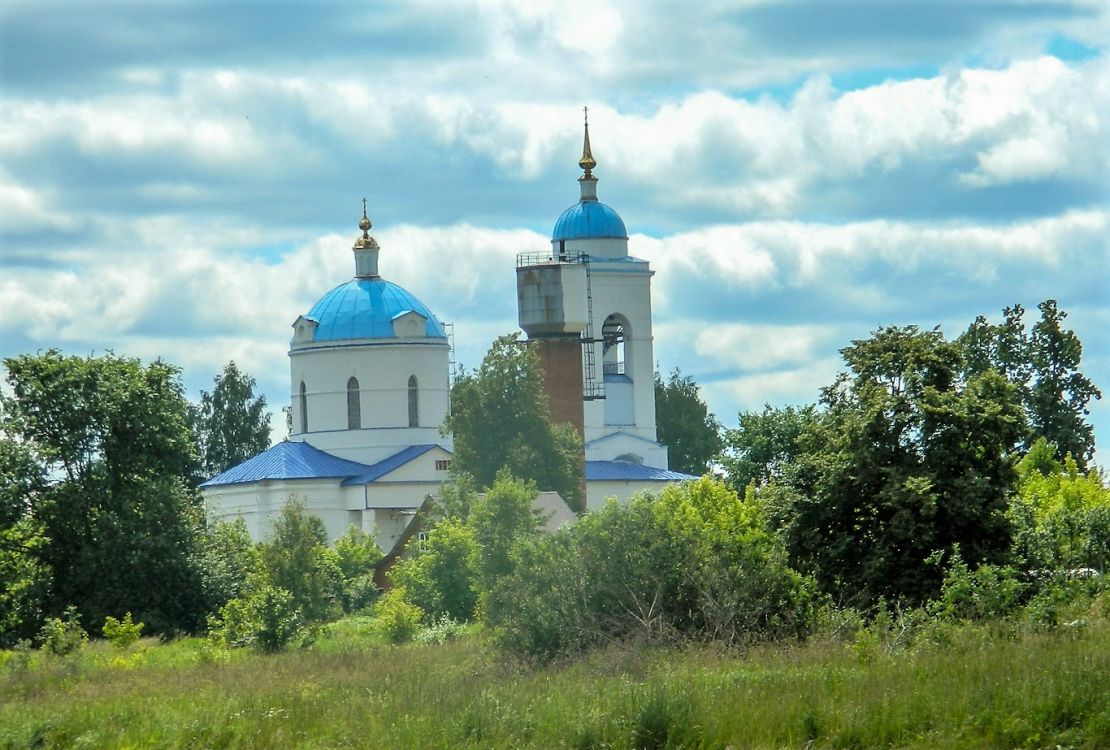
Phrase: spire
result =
(587, 161)
(366, 249)
(587, 182)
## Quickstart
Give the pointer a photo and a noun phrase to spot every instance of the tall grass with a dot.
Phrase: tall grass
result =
(975, 687)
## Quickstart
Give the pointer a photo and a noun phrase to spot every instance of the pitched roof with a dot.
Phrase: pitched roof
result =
(288, 460)
(386, 465)
(628, 472)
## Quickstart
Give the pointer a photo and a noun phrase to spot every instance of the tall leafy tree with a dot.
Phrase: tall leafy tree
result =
(907, 459)
(111, 449)
(231, 422)
(684, 424)
(500, 418)
(1043, 363)
(764, 445)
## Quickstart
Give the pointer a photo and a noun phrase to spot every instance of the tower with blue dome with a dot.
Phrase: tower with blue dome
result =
(598, 299)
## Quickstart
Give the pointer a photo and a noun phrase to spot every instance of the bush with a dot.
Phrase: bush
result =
(268, 620)
(441, 631)
(359, 593)
(63, 635)
(122, 634)
(397, 619)
(439, 577)
(989, 591)
(693, 563)
(230, 562)
(298, 560)
(356, 556)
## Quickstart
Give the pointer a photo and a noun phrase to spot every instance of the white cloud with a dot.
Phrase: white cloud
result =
(755, 348)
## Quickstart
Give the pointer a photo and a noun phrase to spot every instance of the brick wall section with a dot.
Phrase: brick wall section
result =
(561, 360)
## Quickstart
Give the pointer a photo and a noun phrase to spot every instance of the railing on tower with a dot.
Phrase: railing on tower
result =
(593, 389)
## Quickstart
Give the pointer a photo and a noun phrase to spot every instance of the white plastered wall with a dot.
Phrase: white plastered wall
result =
(259, 503)
(598, 492)
(383, 368)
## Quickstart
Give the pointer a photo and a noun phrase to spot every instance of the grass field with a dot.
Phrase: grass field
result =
(974, 687)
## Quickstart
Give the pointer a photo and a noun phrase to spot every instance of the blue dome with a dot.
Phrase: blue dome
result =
(589, 219)
(366, 309)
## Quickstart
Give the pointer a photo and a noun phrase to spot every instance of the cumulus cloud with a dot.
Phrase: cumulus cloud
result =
(797, 177)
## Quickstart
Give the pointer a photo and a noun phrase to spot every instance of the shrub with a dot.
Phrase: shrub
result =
(356, 555)
(268, 620)
(441, 631)
(298, 560)
(63, 635)
(439, 577)
(359, 593)
(693, 563)
(397, 619)
(989, 591)
(230, 562)
(122, 634)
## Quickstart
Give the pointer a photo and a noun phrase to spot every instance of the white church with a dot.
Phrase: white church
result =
(369, 383)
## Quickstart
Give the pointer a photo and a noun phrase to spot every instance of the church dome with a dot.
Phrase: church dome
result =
(366, 309)
(589, 219)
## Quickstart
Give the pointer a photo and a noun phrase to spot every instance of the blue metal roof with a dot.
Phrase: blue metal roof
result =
(288, 460)
(626, 472)
(386, 465)
(366, 309)
(589, 219)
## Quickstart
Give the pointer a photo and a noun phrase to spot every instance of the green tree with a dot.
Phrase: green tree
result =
(112, 449)
(24, 582)
(24, 575)
(500, 419)
(684, 424)
(764, 446)
(231, 422)
(230, 563)
(439, 577)
(357, 556)
(298, 560)
(498, 520)
(1060, 514)
(1044, 364)
(906, 460)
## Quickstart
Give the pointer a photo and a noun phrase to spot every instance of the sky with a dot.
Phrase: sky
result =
(183, 179)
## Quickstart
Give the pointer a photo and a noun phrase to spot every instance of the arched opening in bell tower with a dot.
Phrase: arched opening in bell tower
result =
(614, 345)
(616, 367)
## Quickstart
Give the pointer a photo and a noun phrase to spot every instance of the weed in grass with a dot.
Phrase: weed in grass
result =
(663, 720)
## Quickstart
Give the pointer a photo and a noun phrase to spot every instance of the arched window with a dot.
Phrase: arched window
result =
(414, 403)
(614, 337)
(304, 408)
(354, 405)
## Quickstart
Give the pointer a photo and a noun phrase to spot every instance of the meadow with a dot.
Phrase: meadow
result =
(1001, 684)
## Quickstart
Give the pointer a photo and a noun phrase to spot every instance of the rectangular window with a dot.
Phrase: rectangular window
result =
(443, 464)
(422, 541)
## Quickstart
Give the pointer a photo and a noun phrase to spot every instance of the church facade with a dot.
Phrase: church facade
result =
(369, 389)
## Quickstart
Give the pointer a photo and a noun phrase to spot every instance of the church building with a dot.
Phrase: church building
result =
(369, 385)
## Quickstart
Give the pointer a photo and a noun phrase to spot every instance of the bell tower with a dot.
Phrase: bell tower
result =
(587, 305)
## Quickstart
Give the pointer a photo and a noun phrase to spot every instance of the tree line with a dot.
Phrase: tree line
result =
(924, 460)
(99, 461)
